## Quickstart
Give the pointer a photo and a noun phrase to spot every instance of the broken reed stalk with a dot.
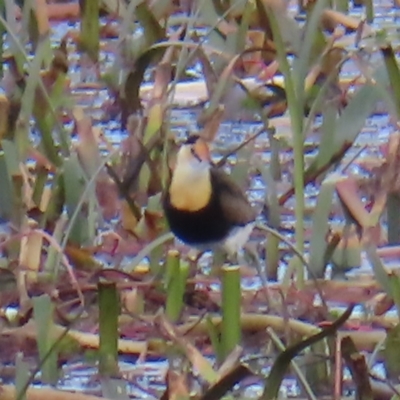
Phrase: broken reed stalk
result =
(231, 307)
(175, 283)
(392, 203)
(108, 328)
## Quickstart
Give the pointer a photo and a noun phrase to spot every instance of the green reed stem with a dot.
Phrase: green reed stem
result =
(108, 328)
(296, 118)
(231, 305)
(369, 10)
(90, 28)
(176, 276)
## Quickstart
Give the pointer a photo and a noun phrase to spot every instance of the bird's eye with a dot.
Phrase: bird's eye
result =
(195, 155)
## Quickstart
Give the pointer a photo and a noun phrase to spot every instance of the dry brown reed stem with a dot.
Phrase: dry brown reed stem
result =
(58, 11)
(87, 340)
(258, 322)
(249, 322)
(7, 392)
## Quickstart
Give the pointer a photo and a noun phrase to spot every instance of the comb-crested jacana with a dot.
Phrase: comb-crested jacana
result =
(204, 206)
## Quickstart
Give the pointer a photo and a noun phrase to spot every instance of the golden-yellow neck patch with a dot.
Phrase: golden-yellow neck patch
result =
(190, 190)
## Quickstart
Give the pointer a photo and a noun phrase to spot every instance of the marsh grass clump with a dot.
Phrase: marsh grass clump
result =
(88, 261)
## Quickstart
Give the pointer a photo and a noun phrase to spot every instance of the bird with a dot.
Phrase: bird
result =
(204, 207)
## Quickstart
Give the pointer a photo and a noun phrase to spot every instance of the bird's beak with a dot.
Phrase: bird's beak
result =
(201, 150)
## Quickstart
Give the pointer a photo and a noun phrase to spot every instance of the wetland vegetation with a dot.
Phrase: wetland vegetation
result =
(300, 103)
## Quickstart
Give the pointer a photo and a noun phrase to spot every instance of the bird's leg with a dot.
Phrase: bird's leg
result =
(250, 257)
(218, 260)
(193, 256)
(233, 258)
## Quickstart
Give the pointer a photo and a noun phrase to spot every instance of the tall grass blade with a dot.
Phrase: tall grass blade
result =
(90, 28)
(279, 368)
(353, 117)
(11, 157)
(241, 35)
(74, 186)
(393, 218)
(316, 368)
(45, 125)
(53, 258)
(394, 282)
(6, 126)
(347, 127)
(296, 117)
(108, 328)
(393, 72)
(12, 38)
(273, 214)
(6, 194)
(18, 217)
(2, 32)
(41, 180)
(26, 21)
(43, 315)
(300, 376)
(209, 15)
(156, 107)
(327, 137)
(28, 98)
(130, 97)
(391, 348)
(320, 228)
(21, 376)
(153, 31)
(302, 63)
(56, 203)
(380, 271)
(225, 82)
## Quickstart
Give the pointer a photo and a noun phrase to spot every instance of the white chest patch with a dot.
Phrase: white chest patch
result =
(238, 238)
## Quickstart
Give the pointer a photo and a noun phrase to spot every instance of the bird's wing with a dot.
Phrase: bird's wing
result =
(233, 200)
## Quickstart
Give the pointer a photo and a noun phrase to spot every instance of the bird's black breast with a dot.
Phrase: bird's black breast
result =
(198, 228)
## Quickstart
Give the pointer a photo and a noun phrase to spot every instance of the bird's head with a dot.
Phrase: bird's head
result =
(190, 187)
(194, 156)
